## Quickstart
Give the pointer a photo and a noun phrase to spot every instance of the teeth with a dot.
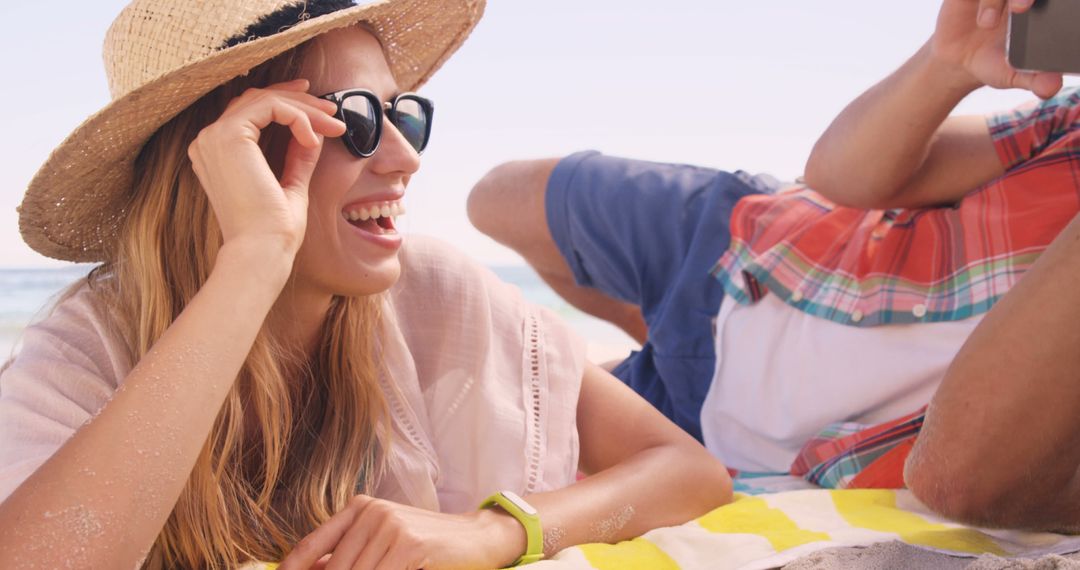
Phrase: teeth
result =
(384, 210)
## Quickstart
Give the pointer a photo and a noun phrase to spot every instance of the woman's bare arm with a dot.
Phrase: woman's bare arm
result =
(102, 499)
(645, 472)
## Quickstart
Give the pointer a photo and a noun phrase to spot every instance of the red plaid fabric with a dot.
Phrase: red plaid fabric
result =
(853, 456)
(868, 268)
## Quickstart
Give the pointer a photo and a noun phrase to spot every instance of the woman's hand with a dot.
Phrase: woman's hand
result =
(250, 203)
(970, 36)
(372, 534)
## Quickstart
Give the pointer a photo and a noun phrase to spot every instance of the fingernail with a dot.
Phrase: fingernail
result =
(987, 18)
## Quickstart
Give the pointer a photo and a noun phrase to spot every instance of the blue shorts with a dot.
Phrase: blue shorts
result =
(648, 234)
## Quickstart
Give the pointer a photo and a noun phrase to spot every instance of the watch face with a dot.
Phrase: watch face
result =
(519, 503)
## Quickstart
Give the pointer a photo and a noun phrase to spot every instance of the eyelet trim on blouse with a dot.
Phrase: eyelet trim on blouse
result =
(402, 415)
(535, 373)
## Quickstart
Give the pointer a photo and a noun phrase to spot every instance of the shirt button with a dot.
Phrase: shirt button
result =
(919, 311)
(796, 296)
(856, 316)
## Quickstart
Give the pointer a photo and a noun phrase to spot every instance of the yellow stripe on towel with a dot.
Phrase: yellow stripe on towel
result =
(751, 515)
(875, 509)
(636, 554)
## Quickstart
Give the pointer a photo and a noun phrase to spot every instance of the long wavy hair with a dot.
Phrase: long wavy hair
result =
(320, 438)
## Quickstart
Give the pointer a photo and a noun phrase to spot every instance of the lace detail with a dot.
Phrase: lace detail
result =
(452, 408)
(403, 417)
(535, 374)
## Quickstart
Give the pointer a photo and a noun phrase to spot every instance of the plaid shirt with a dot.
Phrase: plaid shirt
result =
(876, 267)
(855, 456)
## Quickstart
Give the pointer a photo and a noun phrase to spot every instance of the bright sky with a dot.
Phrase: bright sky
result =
(734, 85)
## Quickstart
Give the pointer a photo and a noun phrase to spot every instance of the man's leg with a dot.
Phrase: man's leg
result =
(507, 204)
(633, 242)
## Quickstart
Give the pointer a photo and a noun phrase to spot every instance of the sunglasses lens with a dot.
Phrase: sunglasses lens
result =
(411, 118)
(359, 114)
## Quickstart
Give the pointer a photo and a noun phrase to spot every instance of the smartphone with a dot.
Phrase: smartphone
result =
(1046, 37)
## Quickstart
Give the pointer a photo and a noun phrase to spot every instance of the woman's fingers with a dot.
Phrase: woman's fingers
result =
(257, 105)
(301, 85)
(361, 548)
(301, 158)
(294, 86)
(299, 166)
(304, 120)
(328, 125)
(327, 107)
(399, 558)
(242, 187)
(324, 539)
(292, 116)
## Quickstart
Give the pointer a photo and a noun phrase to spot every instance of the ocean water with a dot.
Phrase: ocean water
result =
(26, 293)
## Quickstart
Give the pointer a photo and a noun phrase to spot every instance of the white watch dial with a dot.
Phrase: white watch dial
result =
(520, 503)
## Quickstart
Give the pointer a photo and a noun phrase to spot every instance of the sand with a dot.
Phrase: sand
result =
(897, 556)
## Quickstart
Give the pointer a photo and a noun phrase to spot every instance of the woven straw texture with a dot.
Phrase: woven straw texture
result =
(163, 55)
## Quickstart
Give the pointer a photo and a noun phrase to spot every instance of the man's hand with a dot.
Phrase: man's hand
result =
(970, 36)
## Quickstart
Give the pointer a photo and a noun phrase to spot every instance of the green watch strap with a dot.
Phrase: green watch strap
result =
(528, 517)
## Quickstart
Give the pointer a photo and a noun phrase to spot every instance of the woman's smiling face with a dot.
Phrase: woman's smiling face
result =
(341, 256)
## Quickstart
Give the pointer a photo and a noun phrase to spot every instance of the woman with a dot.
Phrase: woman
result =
(244, 369)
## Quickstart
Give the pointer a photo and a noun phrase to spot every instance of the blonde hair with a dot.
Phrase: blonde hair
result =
(321, 437)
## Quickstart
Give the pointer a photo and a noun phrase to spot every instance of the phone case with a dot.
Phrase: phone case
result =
(1046, 37)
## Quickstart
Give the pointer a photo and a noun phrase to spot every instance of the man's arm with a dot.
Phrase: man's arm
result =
(1001, 443)
(896, 146)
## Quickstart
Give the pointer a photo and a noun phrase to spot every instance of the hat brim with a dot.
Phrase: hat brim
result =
(75, 205)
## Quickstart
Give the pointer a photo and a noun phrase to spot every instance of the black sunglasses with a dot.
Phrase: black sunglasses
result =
(362, 112)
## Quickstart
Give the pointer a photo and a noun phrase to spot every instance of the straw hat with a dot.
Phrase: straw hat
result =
(163, 55)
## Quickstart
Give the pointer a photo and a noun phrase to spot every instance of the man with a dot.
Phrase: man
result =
(845, 303)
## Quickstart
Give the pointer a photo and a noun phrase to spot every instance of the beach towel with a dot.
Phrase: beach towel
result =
(768, 531)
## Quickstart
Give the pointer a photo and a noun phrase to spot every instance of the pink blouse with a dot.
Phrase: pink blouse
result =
(482, 386)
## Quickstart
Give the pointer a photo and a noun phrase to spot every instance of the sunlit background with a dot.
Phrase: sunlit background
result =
(734, 85)
(728, 84)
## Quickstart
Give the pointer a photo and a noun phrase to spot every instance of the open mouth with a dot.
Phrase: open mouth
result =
(377, 218)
